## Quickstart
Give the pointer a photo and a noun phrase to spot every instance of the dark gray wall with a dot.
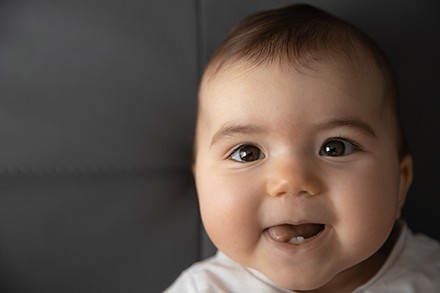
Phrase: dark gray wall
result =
(96, 122)
(97, 104)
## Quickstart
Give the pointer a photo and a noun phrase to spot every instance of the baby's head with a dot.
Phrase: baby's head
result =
(300, 163)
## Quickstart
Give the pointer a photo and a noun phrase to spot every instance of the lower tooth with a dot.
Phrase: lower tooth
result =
(298, 239)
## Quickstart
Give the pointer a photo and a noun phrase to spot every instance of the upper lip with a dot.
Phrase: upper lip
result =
(295, 223)
(291, 215)
(282, 215)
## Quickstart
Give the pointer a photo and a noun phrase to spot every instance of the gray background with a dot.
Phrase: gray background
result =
(97, 105)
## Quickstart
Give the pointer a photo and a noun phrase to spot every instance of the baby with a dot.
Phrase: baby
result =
(301, 165)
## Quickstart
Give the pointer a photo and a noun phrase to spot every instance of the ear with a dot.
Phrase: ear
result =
(406, 178)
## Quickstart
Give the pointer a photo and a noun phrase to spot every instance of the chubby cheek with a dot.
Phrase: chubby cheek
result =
(367, 205)
(229, 208)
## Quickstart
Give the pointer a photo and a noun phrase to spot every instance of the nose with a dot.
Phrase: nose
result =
(293, 177)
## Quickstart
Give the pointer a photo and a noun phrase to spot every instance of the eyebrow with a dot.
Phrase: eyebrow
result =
(349, 122)
(231, 129)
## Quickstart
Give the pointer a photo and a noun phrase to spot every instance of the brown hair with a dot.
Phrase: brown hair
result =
(298, 34)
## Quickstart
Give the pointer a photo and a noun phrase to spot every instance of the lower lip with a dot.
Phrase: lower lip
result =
(309, 244)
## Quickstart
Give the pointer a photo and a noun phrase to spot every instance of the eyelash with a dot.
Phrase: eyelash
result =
(233, 155)
(347, 143)
(354, 147)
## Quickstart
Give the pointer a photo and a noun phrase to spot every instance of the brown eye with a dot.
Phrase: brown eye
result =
(247, 153)
(337, 147)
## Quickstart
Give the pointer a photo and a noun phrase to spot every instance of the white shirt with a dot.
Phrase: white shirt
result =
(412, 266)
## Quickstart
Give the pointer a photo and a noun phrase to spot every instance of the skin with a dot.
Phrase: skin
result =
(287, 117)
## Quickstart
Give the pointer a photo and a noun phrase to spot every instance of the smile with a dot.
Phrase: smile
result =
(294, 234)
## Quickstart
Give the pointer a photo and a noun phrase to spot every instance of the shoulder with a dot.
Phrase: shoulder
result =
(220, 274)
(420, 260)
(413, 266)
(202, 275)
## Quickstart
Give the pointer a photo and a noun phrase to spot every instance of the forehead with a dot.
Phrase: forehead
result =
(282, 99)
(231, 84)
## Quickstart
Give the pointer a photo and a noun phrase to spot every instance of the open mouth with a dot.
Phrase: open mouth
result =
(295, 234)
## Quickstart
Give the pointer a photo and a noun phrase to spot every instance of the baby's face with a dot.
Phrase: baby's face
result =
(297, 173)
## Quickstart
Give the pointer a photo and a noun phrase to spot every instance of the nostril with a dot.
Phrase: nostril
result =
(278, 187)
(284, 187)
(293, 177)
